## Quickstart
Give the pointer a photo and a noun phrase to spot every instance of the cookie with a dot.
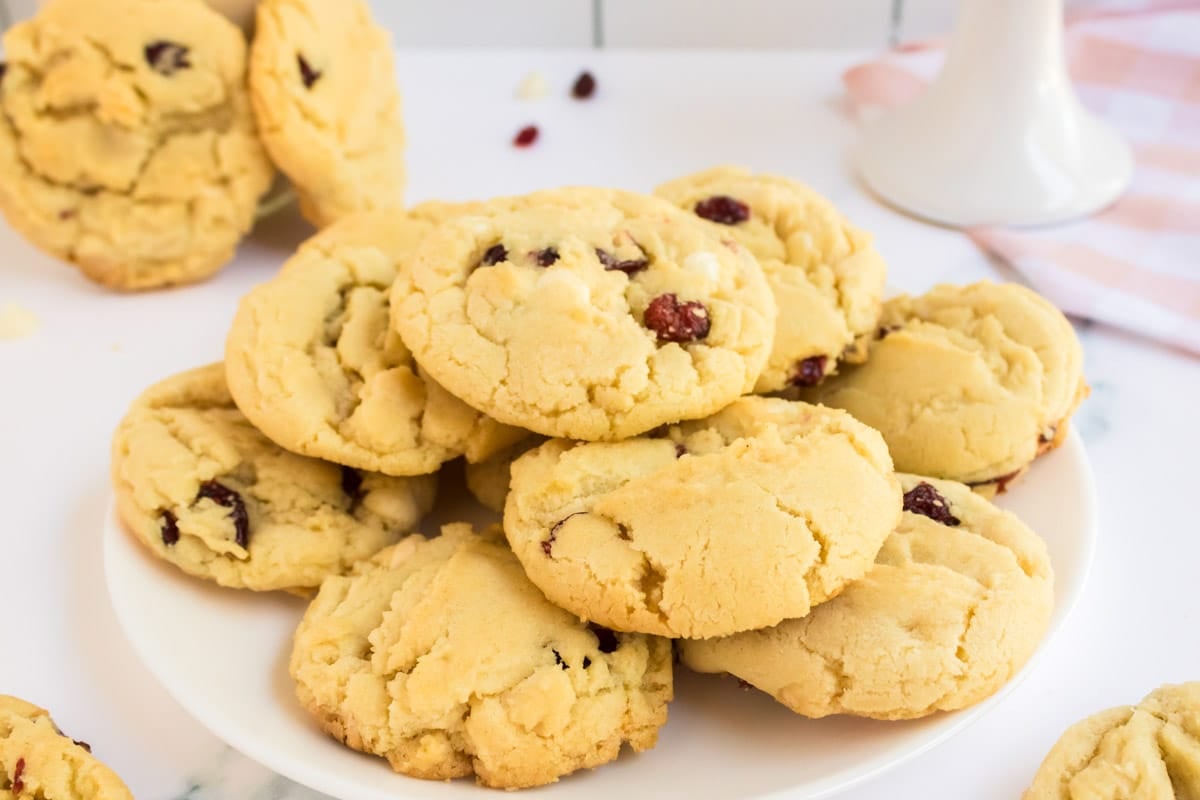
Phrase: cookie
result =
(826, 275)
(324, 91)
(38, 761)
(1150, 751)
(440, 656)
(968, 383)
(312, 363)
(585, 313)
(127, 143)
(488, 480)
(958, 600)
(736, 522)
(202, 489)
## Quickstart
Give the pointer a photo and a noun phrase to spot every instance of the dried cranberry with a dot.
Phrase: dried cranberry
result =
(548, 543)
(927, 501)
(723, 209)
(745, 685)
(3, 69)
(680, 451)
(352, 481)
(584, 86)
(166, 58)
(222, 495)
(629, 266)
(308, 73)
(546, 256)
(809, 371)
(18, 785)
(526, 136)
(673, 321)
(883, 332)
(558, 659)
(494, 255)
(606, 640)
(83, 744)
(587, 662)
(170, 528)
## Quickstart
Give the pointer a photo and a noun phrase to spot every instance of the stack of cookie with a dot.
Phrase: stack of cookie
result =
(629, 380)
(138, 136)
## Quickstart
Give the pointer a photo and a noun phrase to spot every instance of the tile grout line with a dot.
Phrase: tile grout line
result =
(598, 24)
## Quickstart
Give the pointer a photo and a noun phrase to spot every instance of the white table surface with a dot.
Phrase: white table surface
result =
(656, 115)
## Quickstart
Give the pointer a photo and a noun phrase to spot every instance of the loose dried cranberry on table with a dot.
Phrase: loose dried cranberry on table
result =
(606, 640)
(629, 266)
(673, 321)
(308, 73)
(927, 501)
(222, 495)
(584, 86)
(166, 58)
(170, 528)
(494, 255)
(546, 257)
(526, 136)
(809, 371)
(723, 209)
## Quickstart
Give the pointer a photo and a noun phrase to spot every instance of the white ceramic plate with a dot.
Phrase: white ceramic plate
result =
(223, 655)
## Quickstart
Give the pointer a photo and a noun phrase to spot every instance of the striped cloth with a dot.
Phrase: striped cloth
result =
(1135, 265)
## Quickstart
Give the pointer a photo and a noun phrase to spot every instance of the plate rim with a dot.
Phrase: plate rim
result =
(841, 781)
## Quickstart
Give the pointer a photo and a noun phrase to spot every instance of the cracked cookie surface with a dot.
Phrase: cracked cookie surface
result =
(1150, 751)
(324, 91)
(826, 276)
(586, 313)
(731, 523)
(38, 761)
(967, 383)
(312, 361)
(439, 655)
(127, 143)
(958, 600)
(199, 486)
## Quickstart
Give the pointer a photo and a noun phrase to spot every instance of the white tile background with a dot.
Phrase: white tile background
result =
(654, 23)
(643, 23)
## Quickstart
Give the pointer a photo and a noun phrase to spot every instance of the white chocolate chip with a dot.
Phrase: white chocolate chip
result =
(562, 277)
(17, 322)
(703, 263)
(533, 86)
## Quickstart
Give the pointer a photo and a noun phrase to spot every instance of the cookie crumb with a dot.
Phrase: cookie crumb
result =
(17, 322)
(526, 136)
(533, 86)
(584, 86)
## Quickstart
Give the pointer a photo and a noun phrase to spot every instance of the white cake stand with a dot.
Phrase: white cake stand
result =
(1000, 137)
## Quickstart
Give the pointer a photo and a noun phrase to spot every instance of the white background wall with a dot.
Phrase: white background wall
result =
(654, 23)
(645, 23)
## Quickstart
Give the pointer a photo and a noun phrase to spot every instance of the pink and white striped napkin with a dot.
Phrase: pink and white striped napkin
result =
(1135, 265)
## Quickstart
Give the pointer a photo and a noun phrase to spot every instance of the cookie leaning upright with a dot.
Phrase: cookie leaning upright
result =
(826, 276)
(312, 362)
(735, 522)
(202, 489)
(1151, 751)
(968, 383)
(959, 598)
(38, 761)
(127, 144)
(586, 313)
(325, 95)
(440, 656)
